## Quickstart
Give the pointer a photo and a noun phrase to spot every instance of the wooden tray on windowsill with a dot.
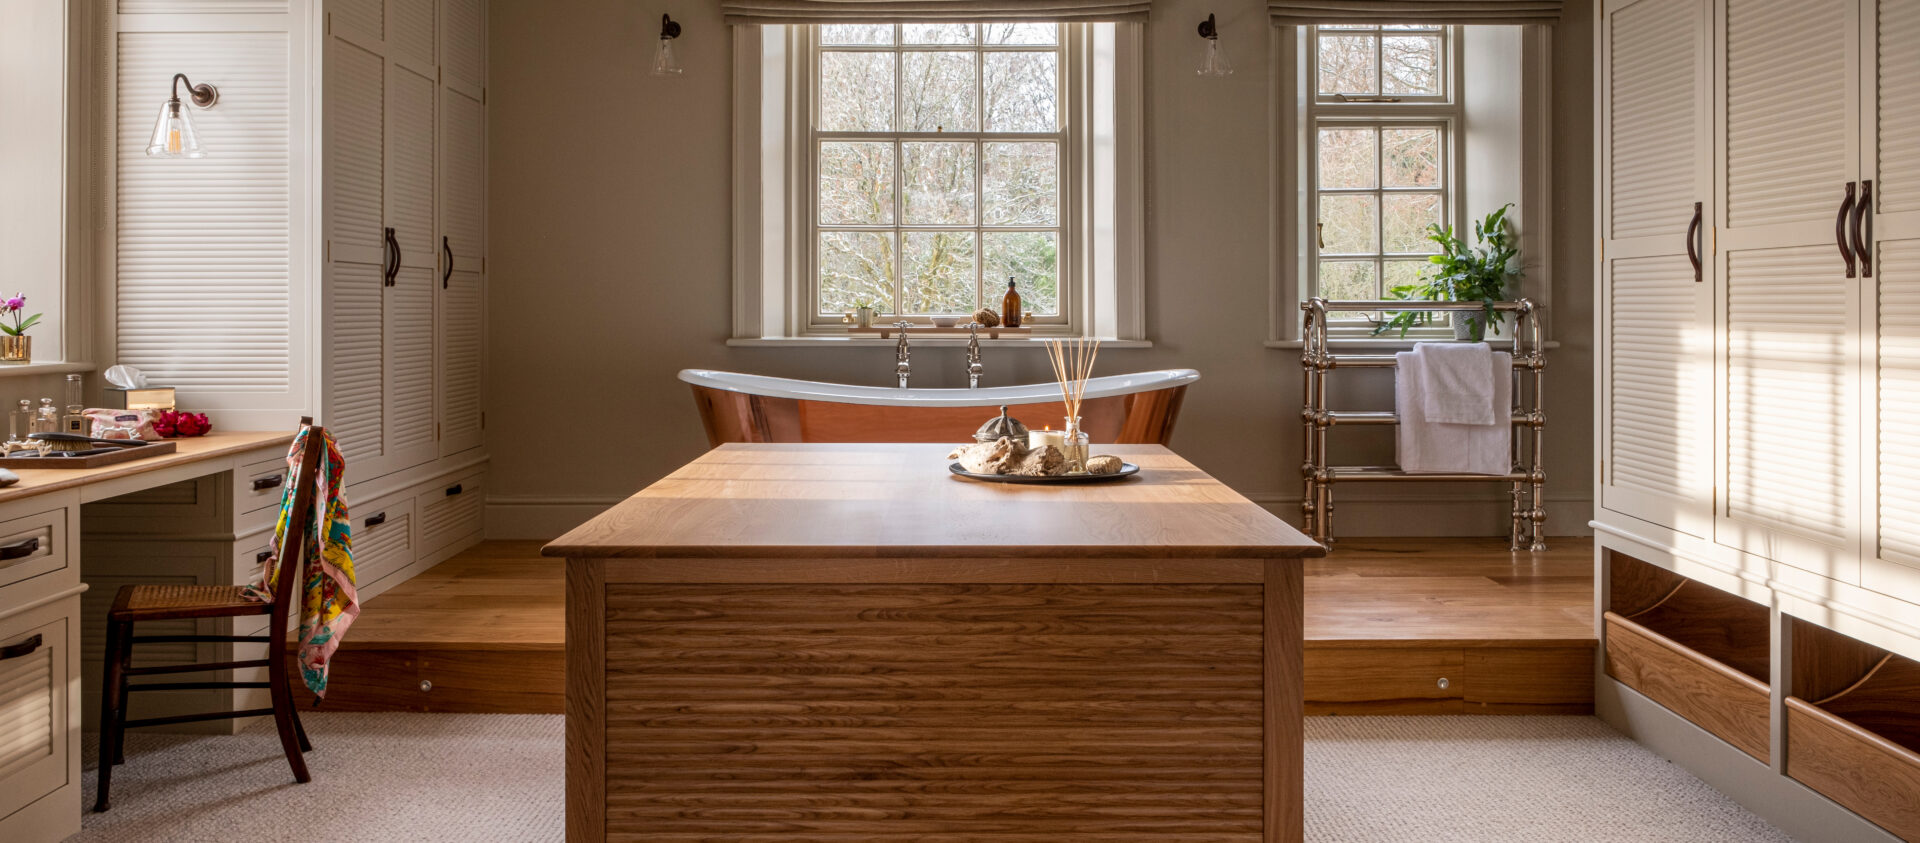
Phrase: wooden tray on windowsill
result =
(887, 331)
(96, 458)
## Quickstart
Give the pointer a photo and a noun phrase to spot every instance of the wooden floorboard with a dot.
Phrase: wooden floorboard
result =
(1386, 621)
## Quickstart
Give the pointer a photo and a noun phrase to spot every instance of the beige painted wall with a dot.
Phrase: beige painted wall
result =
(610, 270)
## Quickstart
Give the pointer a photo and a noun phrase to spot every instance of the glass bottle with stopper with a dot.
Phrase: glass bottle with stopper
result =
(1010, 306)
(47, 418)
(20, 421)
(75, 419)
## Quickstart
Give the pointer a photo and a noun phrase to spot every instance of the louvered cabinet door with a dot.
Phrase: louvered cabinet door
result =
(1657, 311)
(37, 730)
(1891, 160)
(463, 41)
(408, 329)
(462, 287)
(1788, 132)
(353, 376)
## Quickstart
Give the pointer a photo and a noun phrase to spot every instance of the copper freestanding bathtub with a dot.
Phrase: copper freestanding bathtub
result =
(1119, 409)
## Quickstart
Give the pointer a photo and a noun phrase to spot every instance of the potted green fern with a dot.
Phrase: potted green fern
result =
(1463, 273)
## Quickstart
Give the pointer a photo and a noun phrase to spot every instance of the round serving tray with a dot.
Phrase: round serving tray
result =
(1127, 469)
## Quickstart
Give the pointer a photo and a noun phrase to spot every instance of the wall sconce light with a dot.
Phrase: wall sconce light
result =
(665, 63)
(1214, 61)
(173, 135)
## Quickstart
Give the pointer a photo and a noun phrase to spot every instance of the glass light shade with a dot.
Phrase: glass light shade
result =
(173, 135)
(665, 63)
(1214, 61)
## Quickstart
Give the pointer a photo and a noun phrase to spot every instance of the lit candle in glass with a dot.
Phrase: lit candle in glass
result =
(1046, 436)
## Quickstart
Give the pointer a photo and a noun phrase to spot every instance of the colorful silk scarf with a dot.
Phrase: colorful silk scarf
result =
(330, 602)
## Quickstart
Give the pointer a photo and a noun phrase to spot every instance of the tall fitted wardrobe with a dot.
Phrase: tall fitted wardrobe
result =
(1758, 384)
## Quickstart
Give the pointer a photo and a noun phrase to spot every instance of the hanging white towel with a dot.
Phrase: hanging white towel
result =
(1456, 388)
(1428, 447)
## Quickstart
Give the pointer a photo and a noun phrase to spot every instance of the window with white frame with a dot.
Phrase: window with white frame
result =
(1384, 116)
(34, 233)
(917, 167)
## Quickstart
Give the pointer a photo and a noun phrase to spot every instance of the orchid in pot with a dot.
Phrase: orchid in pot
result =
(16, 347)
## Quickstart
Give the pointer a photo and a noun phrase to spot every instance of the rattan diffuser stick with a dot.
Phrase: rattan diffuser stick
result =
(1072, 364)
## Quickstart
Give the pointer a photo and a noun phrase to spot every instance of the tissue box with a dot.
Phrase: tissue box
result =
(140, 398)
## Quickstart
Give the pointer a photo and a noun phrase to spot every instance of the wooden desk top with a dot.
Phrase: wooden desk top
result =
(36, 481)
(869, 501)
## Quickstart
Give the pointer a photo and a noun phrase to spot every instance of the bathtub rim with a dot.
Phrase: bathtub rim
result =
(1106, 386)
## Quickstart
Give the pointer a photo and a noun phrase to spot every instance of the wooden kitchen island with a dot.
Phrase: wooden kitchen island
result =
(807, 642)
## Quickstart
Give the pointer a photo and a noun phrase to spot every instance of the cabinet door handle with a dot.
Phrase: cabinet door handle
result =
(1840, 229)
(447, 273)
(1693, 238)
(14, 651)
(20, 549)
(261, 557)
(1863, 217)
(261, 484)
(376, 520)
(454, 490)
(393, 247)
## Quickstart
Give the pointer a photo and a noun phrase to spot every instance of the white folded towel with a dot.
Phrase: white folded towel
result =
(1429, 447)
(1455, 388)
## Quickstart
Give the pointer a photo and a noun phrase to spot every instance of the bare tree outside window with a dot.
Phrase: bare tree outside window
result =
(938, 160)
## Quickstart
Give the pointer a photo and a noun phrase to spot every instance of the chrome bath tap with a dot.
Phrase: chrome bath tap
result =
(901, 366)
(973, 356)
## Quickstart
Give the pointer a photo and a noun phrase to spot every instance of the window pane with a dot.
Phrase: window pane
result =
(856, 92)
(1402, 273)
(1413, 157)
(940, 272)
(1405, 217)
(1023, 33)
(938, 91)
(1410, 64)
(1348, 224)
(1346, 158)
(1347, 66)
(857, 33)
(1022, 182)
(1022, 92)
(1348, 280)
(1033, 259)
(938, 33)
(856, 183)
(939, 183)
(855, 266)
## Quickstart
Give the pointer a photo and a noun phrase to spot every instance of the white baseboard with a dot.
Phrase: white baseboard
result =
(547, 517)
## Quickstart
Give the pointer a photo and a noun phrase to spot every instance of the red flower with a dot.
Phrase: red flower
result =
(170, 423)
(163, 424)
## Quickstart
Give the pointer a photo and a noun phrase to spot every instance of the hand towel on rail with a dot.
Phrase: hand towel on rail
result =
(1428, 447)
(1455, 387)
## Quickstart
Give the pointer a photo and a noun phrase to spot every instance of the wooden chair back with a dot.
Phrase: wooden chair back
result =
(293, 549)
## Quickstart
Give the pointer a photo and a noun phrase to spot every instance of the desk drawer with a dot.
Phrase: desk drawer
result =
(257, 485)
(33, 546)
(384, 538)
(450, 512)
(35, 728)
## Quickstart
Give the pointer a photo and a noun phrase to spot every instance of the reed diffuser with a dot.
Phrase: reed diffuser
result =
(1072, 364)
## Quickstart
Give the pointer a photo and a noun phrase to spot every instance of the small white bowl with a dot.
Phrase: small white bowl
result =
(944, 321)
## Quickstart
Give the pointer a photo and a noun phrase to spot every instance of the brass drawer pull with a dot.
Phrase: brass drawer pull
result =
(21, 649)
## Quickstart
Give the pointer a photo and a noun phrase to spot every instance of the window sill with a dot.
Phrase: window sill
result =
(934, 342)
(1359, 344)
(44, 369)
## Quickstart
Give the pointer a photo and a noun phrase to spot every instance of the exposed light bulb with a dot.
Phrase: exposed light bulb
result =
(1214, 62)
(665, 63)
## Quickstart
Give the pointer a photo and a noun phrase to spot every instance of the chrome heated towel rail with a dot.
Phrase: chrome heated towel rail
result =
(1528, 474)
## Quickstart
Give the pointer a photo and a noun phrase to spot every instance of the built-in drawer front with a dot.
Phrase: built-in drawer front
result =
(34, 728)
(451, 512)
(383, 538)
(33, 546)
(258, 485)
(1872, 776)
(1711, 695)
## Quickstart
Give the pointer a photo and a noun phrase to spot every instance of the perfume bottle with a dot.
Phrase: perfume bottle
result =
(1010, 306)
(47, 418)
(20, 421)
(75, 420)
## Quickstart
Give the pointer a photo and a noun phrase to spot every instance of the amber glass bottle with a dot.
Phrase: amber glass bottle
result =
(1010, 306)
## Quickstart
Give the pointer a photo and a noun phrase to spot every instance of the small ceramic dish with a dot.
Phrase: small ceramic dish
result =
(944, 321)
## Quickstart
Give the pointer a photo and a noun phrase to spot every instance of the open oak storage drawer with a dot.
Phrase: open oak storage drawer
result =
(1700, 652)
(1853, 726)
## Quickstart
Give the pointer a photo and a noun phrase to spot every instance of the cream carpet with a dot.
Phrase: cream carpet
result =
(451, 777)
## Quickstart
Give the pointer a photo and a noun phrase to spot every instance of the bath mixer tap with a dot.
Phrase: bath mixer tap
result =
(901, 366)
(973, 356)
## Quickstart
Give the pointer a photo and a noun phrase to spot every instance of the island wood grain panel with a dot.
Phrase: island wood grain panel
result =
(940, 711)
(1711, 695)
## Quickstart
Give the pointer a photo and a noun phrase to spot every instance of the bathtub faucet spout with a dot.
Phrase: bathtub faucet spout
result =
(974, 369)
(901, 367)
